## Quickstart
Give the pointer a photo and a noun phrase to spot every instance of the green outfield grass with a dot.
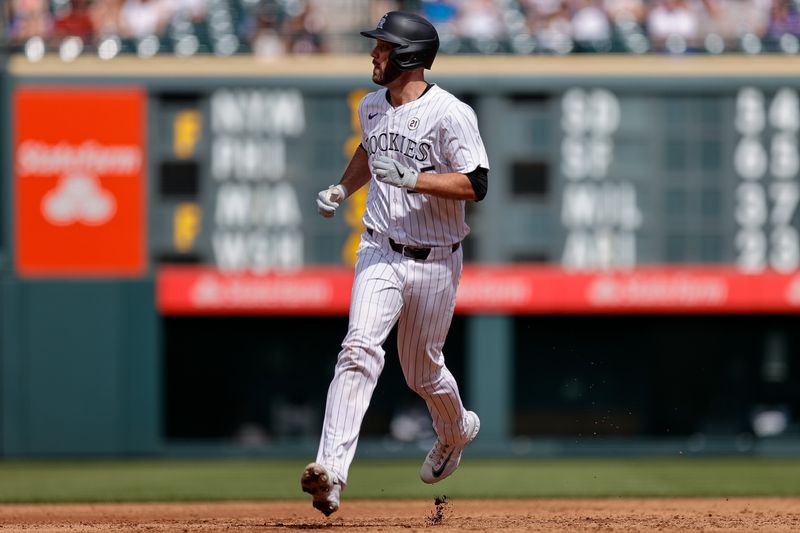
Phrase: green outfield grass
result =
(257, 479)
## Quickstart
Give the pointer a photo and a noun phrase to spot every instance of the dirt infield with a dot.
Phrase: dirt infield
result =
(615, 514)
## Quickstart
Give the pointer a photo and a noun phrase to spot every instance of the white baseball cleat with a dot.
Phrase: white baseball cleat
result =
(443, 459)
(323, 487)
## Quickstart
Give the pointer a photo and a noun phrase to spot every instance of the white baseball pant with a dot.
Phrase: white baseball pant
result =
(420, 296)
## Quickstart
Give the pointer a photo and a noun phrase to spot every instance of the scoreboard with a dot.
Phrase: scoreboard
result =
(715, 174)
(618, 184)
(632, 192)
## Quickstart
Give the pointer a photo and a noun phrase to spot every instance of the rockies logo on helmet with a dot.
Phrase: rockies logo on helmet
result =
(415, 39)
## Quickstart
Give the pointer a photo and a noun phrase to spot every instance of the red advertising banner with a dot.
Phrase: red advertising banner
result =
(204, 290)
(509, 289)
(79, 181)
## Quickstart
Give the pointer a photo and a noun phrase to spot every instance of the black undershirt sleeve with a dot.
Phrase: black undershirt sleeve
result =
(479, 178)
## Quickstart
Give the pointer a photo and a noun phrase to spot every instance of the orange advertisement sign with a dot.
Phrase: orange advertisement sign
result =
(79, 181)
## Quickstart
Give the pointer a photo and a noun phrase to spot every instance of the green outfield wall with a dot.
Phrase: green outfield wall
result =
(631, 280)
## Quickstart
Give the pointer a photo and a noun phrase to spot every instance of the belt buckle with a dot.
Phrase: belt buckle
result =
(419, 253)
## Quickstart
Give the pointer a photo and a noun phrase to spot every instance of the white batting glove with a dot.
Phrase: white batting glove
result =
(390, 171)
(329, 199)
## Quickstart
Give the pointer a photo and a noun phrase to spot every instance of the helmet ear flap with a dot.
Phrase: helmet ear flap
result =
(401, 60)
(414, 55)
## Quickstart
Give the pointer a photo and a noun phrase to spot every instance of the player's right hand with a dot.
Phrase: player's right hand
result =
(329, 199)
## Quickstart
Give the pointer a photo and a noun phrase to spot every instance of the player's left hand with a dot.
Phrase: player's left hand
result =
(390, 171)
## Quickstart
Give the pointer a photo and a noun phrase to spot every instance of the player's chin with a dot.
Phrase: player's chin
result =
(378, 76)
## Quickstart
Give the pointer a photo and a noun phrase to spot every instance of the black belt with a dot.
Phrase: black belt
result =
(414, 252)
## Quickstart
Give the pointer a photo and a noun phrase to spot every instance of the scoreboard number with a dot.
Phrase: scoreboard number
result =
(768, 191)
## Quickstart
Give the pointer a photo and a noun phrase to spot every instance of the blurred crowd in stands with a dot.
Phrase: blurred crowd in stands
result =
(271, 28)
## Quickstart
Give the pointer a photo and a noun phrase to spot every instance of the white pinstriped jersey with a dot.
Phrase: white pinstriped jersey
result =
(435, 133)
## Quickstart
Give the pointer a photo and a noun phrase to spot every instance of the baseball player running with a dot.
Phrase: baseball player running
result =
(423, 154)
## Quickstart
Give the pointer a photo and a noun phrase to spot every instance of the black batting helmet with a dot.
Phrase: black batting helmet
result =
(415, 38)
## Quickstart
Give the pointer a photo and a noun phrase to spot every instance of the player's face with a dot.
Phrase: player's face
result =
(383, 71)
